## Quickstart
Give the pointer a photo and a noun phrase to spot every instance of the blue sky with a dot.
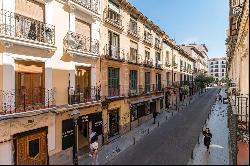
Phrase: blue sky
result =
(189, 21)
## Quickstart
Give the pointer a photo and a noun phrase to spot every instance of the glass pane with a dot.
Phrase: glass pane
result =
(34, 148)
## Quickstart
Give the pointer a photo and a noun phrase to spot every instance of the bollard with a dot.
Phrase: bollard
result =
(172, 113)
(166, 117)
(198, 139)
(148, 130)
(158, 124)
(134, 140)
(192, 154)
(208, 116)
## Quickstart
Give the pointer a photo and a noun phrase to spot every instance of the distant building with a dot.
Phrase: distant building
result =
(217, 67)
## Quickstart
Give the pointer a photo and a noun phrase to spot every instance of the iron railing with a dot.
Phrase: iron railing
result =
(92, 5)
(114, 52)
(148, 62)
(22, 100)
(134, 30)
(112, 17)
(14, 25)
(113, 91)
(77, 42)
(148, 38)
(88, 94)
(158, 64)
(145, 89)
(136, 59)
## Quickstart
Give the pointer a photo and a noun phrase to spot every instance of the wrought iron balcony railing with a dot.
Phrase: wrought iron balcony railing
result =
(175, 65)
(148, 62)
(113, 91)
(92, 5)
(114, 18)
(88, 94)
(158, 65)
(23, 100)
(148, 38)
(114, 52)
(134, 31)
(168, 64)
(135, 59)
(14, 26)
(80, 43)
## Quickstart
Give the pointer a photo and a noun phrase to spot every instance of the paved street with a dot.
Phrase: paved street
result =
(174, 140)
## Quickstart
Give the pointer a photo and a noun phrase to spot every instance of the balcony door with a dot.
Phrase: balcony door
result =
(29, 92)
(114, 44)
(133, 82)
(147, 82)
(158, 81)
(83, 29)
(113, 82)
(83, 83)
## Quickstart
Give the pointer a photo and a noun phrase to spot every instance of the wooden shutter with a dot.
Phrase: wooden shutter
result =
(30, 8)
(83, 28)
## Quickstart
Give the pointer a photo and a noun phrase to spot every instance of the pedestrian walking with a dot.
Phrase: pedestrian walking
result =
(94, 147)
(154, 116)
(207, 138)
(92, 138)
(220, 98)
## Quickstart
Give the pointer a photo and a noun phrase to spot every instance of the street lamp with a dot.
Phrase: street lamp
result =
(75, 115)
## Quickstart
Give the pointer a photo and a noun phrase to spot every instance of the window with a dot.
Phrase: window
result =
(133, 25)
(157, 56)
(158, 81)
(174, 76)
(147, 54)
(223, 74)
(216, 66)
(34, 148)
(173, 60)
(133, 80)
(133, 51)
(114, 45)
(168, 78)
(167, 56)
(157, 42)
(113, 81)
(216, 75)
(147, 81)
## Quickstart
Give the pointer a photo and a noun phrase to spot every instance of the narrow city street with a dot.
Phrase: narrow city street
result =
(174, 140)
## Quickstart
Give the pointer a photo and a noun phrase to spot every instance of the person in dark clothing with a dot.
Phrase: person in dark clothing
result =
(154, 116)
(207, 138)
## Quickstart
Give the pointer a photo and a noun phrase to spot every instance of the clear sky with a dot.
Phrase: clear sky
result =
(189, 21)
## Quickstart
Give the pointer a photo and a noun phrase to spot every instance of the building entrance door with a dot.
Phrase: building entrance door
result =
(31, 148)
(113, 123)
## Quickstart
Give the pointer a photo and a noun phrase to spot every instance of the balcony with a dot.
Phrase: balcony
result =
(134, 31)
(148, 62)
(24, 100)
(158, 65)
(113, 92)
(92, 5)
(23, 30)
(78, 44)
(134, 59)
(113, 18)
(114, 53)
(153, 88)
(175, 65)
(168, 64)
(88, 94)
(158, 45)
(148, 38)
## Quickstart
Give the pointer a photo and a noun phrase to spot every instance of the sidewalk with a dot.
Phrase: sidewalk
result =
(219, 150)
(111, 150)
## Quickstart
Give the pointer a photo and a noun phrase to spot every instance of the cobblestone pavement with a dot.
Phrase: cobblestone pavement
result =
(219, 151)
(110, 151)
(174, 140)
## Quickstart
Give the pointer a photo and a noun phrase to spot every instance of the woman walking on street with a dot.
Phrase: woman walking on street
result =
(207, 138)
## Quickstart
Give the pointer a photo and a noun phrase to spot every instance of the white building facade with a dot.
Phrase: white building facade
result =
(217, 68)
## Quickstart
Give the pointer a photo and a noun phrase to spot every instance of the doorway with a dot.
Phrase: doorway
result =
(113, 123)
(31, 148)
